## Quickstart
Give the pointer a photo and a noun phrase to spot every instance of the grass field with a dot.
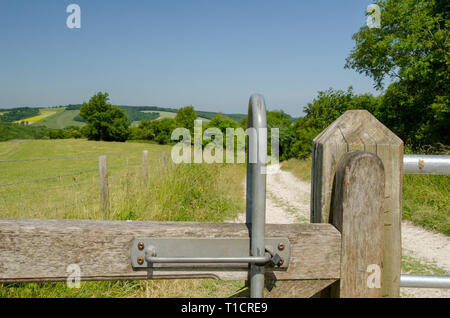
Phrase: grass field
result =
(198, 192)
(425, 202)
(172, 115)
(162, 114)
(63, 118)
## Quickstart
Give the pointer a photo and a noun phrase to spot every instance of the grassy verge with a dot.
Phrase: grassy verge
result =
(411, 265)
(186, 192)
(299, 168)
(425, 202)
(186, 288)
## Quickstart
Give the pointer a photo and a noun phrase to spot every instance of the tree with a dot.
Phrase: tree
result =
(412, 50)
(104, 121)
(325, 109)
(157, 130)
(282, 121)
(185, 118)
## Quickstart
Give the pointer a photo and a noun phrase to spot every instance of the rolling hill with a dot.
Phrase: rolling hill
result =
(64, 116)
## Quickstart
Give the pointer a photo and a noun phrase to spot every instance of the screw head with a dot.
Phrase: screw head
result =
(281, 262)
(281, 246)
(140, 245)
(140, 260)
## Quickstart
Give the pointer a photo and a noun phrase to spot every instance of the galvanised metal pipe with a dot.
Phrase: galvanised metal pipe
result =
(425, 281)
(256, 188)
(426, 164)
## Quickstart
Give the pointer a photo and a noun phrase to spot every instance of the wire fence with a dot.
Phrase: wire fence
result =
(68, 195)
(65, 158)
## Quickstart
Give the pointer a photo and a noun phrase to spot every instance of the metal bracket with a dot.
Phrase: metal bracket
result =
(203, 252)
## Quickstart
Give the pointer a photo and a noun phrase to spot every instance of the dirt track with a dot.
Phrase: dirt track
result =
(287, 201)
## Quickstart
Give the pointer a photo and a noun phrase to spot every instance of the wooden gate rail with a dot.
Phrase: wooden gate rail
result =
(40, 250)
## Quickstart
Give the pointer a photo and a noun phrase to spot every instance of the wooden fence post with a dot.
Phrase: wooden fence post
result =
(145, 166)
(163, 159)
(104, 193)
(357, 212)
(359, 130)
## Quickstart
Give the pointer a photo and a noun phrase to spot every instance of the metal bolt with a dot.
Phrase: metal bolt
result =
(140, 260)
(141, 245)
(281, 262)
(281, 246)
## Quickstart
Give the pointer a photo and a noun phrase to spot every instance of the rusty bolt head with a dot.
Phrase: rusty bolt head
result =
(281, 246)
(281, 262)
(140, 260)
(141, 245)
(421, 164)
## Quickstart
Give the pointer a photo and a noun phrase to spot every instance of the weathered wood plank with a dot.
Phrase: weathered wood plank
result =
(41, 250)
(357, 212)
(358, 129)
(296, 288)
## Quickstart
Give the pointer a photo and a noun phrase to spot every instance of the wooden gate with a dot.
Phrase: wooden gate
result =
(351, 248)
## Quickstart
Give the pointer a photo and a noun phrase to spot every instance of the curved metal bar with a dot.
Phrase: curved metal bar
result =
(425, 281)
(256, 187)
(426, 164)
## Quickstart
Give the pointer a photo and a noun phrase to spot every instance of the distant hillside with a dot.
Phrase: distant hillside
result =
(65, 116)
(61, 120)
(11, 115)
(200, 113)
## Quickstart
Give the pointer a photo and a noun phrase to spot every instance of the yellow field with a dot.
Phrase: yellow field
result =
(44, 114)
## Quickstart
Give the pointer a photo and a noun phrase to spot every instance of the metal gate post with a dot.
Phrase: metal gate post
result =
(256, 188)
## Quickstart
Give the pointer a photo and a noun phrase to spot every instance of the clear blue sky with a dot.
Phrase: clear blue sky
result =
(211, 54)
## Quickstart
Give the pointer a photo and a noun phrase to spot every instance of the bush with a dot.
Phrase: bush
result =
(10, 131)
(66, 133)
(156, 130)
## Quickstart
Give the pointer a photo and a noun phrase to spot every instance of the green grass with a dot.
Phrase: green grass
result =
(186, 288)
(411, 265)
(197, 192)
(299, 168)
(425, 201)
(63, 118)
(163, 114)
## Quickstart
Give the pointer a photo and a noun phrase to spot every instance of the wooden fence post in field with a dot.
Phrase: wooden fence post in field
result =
(104, 192)
(357, 212)
(359, 130)
(163, 159)
(145, 166)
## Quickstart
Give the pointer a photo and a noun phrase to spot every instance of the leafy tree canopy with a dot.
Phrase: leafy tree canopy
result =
(104, 121)
(412, 49)
(185, 118)
(323, 110)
